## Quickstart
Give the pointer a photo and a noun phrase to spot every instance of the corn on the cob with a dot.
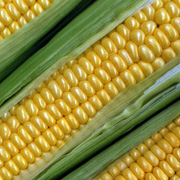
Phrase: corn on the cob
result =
(66, 101)
(15, 14)
(156, 158)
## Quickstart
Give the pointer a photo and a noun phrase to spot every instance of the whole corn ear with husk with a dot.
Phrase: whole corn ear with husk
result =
(93, 95)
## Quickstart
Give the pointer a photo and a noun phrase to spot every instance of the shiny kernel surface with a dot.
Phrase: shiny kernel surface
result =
(66, 101)
(155, 159)
(15, 14)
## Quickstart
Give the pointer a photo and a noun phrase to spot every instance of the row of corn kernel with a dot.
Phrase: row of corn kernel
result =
(156, 159)
(16, 13)
(67, 80)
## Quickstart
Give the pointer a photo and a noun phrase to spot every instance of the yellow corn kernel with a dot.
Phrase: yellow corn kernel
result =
(5, 174)
(138, 37)
(114, 171)
(24, 135)
(172, 139)
(5, 33)
(50, 138)
(157, 4)
(173, 162)
(124, 31)
(20, 161)
(70, 100)
(96, 102)
(22, 21)
(4, 17)
(158, 63)
(80, 115)
(135, 154)
(175, 46)
(103, 96)
(63, 108)
(17, 141)
(118, 40)
(172, 9)
(109, 68)
(156, 137)
(53, 110)
(64, 126)
(168, 54)
(39, 101)
(22, 114)
(159, 174)
(146, 54)
(169, 31)
(128, 174)
(162, 16)
(89, 109)
(118, 82)
(47, 96)
(128, 78)
(111, 89)
(166, 168)
(72, 121)
(146, 68)
(137, 72)
(160, 154)
(118, 62)
(120, 178)
(171, 126)
(63, 84)
(138, 172)
(5, 132)
(4, 155)
(144, 164)
(131, 23)
(95, 82)
(79, 72)
(34, 149)
(86, 65)
(175, 22)
(164, 131)
(37, 9)
(151, 158)
(30, 2)
(106, 176)
(31, 108)
(10, 147)
(14, 26)
(57, 132)
(44, 3)
(39, 123)
(149, 11)
(47, 118)
(165, 146)
(12, 167)
(127, 160)
(140, 16)
(79, 94)
(132, 49)
(42, 143)
(86, 87)
(108, 44)
(148, 27)
(31, 129)
(70, 77)
(28, 155)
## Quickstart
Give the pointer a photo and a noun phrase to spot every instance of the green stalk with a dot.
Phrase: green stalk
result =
(95, 165)
(15, 49)
(77, 36)
(118, 122)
